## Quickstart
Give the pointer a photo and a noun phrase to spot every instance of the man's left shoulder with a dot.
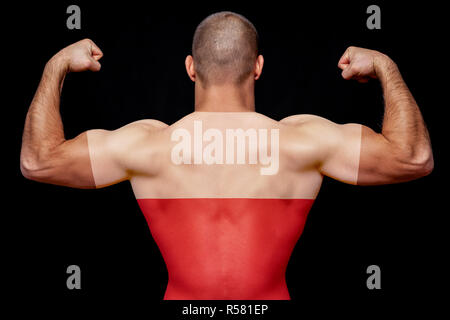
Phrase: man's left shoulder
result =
(151, 124)
(138, 131)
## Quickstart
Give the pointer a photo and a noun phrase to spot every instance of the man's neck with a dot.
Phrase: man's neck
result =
(225, 98)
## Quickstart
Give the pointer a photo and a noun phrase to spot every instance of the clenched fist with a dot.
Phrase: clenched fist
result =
(80, 56)
(362, 64)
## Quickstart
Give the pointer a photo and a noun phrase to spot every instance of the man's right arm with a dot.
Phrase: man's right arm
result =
(356, 154)
(402, 151)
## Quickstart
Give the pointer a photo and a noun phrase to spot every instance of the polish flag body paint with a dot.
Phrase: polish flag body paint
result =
(226, 195)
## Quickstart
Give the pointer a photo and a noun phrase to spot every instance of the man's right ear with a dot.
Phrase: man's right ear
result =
(189, 62)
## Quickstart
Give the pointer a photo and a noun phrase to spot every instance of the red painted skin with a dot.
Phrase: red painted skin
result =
(226, 249)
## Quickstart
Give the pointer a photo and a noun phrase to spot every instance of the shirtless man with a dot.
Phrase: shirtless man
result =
(226, 190)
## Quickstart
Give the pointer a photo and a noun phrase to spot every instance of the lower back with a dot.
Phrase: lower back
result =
(226, 248)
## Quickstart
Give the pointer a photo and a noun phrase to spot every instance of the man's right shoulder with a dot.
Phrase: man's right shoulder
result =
(307, 121)
(310, 129)
(299, 119)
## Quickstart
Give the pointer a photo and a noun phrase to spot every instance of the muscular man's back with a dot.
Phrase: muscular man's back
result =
(225, 229)
(226, 194)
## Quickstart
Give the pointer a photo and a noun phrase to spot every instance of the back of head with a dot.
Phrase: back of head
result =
(224, 49)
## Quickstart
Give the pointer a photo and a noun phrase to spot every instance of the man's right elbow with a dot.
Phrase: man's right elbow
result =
(427, 165)
(419, 166)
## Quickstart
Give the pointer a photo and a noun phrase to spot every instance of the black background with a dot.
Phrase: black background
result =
(103, 231)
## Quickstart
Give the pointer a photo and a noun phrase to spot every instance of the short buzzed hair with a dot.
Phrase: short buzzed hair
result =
(225, 48)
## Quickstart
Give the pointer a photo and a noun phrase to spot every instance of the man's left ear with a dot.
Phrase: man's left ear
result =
(189, 63)
(258, 66)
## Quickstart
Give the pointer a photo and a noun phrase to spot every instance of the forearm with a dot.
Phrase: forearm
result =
(43, 129)
(403, 125)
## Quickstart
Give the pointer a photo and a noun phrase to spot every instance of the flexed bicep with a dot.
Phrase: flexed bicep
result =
(382, 162)
(356, 154)
(89, 160)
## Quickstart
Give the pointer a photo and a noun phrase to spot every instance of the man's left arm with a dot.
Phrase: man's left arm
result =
(46, 156)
